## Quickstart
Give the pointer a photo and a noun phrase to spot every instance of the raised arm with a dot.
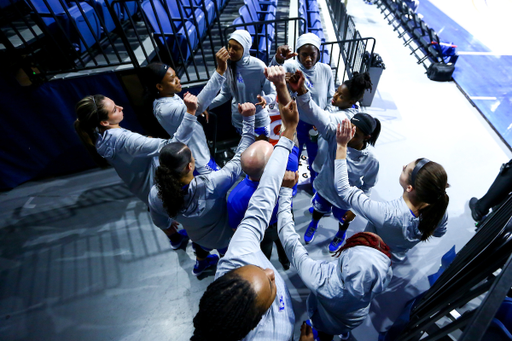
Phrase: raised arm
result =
(223, 96)
(251, 230)
(214, 85)
(320, 118)
(360, 203)
(222, 180)
(142, 146)
(309, 270)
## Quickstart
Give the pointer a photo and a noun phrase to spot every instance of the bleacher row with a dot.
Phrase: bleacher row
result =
(401, 16)
(84, 23)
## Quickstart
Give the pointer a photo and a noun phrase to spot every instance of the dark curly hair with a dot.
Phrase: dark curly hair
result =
(358, 84)
(227, 311)
(173, 159)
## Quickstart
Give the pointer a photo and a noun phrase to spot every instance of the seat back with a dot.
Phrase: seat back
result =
(245, 17)
(157, 16)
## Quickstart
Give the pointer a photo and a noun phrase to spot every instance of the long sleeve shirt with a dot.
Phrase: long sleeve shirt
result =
(319, 82)
(392, 220)
(204, 214)
(135, 157)
(250, 82)
(244, 249)
(363, 166)
(341, 290)
(169, 111)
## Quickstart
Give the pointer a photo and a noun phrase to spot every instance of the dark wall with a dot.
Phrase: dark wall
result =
(36, 126)
(37, 137)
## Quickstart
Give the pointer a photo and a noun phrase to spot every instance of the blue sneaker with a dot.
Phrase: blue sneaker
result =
(338, 239)
(204, 264)
(309, 236)
(176, 244)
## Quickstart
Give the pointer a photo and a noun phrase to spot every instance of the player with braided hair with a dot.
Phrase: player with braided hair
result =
(226, 311)
(228, 292)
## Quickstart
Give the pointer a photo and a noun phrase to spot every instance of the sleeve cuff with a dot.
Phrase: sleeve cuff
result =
(218, 75)
(285, 192)
(304, 98)
(189, 117)
(285, 143)
(249, 119)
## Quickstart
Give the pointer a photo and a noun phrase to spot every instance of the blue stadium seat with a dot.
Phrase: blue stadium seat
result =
(100, 6)
(190, 13)
(163, 30)
(262, 30)
(262, 35)
(198, 4)
(74, 25)
(257, 14)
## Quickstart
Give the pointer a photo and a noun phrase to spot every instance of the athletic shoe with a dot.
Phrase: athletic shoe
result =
(204, 264)
(182, 236)
(472, 205)
(309, 236)
(338, 239)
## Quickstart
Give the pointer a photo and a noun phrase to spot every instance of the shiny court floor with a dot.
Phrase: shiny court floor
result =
(80, 259)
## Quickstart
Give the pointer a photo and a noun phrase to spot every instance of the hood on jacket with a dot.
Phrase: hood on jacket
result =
(365, 271)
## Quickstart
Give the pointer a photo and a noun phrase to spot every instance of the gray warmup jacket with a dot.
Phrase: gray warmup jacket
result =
(250, 82)
(341, 290)
(319, 81)
(170, 111)
(135, 157)
(244, 249)
(205, 214)
(363, 166)
(392, 220)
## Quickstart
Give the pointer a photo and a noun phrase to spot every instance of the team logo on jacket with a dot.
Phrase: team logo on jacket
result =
(281, 303)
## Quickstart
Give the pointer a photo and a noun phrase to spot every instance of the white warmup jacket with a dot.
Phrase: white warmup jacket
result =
(135, 157)
(392, 220)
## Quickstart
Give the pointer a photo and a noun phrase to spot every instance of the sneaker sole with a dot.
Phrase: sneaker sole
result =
(312, 239)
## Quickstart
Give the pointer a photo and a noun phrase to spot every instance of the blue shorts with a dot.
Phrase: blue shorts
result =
(323, 206)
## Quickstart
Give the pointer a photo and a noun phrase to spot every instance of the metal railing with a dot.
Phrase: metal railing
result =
(49, 38)
(344, 56)
(477, 282)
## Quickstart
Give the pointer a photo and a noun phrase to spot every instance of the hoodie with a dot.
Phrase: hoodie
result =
(341, 290)
(248, 82)
(319, 79)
